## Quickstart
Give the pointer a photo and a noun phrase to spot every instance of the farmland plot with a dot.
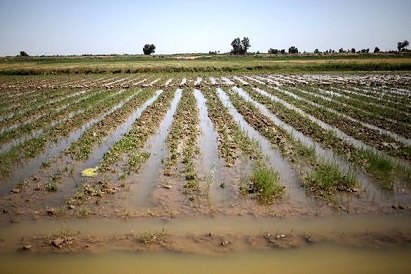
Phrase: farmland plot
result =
(173, 146)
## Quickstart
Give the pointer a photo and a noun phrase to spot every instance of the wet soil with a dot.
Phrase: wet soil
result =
(141, 209)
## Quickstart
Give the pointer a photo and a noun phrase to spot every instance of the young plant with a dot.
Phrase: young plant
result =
(265, 182)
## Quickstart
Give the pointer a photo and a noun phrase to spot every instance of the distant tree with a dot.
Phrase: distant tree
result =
(245, 45)
(316, 51)
(240, 46)
(24, 54)
(282, 51)
(341, 50)
(212, 52)
(292, 50)
(402, 45)
(273, 51)
(376, 50)
(353, 50)
(149, 49)
(236, 44)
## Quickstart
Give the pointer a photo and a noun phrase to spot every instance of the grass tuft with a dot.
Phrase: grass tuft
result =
(381, 167)
(265, 182)
(327, 178)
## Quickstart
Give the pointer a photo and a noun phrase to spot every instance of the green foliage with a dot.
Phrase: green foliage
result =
(273, 51)
(265, 182)
(378, 165)
(293, 50)
(24, 54)
(327, 178)
(240, 46)
(149, 49)
(51, 187)
(402, 45)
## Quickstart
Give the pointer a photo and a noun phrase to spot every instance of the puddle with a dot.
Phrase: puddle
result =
(241, 80)
(198, 81)
(255, 80)
(317, 259)
(152, 83)
(183, 82)
(294, 191)
(213, 81)
(148, 177)
(211, 165)
(227, 81)
(168, 82)
(139, 82)
(116, 82)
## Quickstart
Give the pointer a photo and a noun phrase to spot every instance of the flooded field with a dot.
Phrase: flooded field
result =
(232, 173)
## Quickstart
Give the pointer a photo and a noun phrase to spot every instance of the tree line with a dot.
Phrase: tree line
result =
(241, 46)
(401, 46)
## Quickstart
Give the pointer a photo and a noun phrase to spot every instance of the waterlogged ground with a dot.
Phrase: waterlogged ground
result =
(174, 160)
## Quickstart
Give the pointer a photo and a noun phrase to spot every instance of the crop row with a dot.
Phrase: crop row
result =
(279, 114)
(355, 129)
(92, 109)
(378, 167)
(298, 154)
(378, 137)
(385, 119)
(47, 117)
(131, 145)
(182, 144)
(83, 147)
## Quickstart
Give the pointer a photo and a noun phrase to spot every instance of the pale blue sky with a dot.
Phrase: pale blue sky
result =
(103, 27)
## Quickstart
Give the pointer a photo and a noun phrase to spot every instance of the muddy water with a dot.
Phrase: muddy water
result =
(289, 179)
(319, 257)
(212, 167)
(149, 176)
